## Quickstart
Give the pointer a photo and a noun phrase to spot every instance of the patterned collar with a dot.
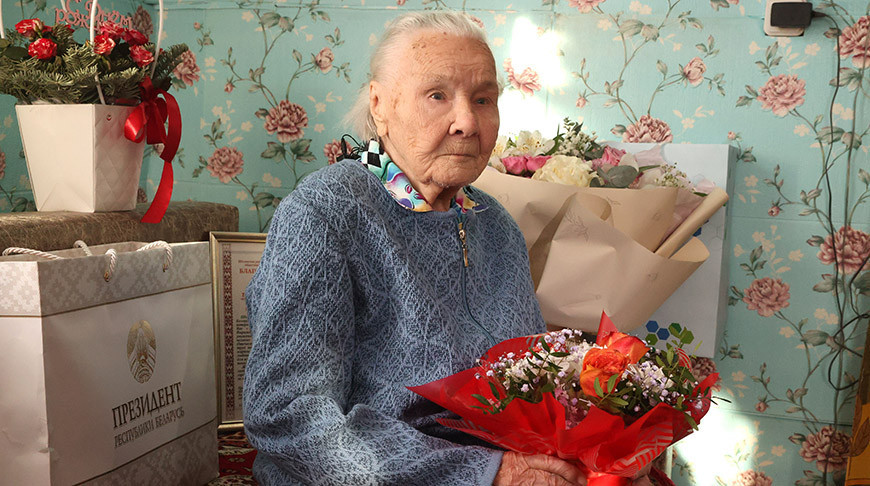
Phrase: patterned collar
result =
(397, 184)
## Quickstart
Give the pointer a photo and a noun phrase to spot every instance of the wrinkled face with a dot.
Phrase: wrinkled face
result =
(437, 112)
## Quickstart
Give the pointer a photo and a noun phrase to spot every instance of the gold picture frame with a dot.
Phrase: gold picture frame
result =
(234, 259)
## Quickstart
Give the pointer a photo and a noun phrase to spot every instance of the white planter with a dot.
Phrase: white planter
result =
(78, 158)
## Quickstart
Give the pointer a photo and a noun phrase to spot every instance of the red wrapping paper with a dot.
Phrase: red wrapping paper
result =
(609, 450)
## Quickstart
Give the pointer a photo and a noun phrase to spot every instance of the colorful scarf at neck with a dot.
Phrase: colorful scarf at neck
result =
(399, 186)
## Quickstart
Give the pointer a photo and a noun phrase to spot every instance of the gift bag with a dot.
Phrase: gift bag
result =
(107, 372)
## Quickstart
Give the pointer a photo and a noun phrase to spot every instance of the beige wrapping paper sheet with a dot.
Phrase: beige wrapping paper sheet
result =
(592, 249)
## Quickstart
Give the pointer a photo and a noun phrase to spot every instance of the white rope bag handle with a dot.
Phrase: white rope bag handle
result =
(111, 254)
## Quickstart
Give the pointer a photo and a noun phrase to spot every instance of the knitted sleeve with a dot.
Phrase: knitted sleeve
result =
(299, 377)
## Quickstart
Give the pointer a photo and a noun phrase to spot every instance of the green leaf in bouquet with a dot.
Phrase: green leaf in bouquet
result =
(545, 346)
(529, 374)
(691, 421)
(611, 382)
(620, 177)
(619, 402)
(598, 390)
(480, 398)
(494, 390)
(559, 354)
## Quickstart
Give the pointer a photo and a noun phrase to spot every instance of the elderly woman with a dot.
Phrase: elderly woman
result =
(390, 272)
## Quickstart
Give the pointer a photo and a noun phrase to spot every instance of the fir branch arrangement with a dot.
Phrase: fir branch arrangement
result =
(41, 63)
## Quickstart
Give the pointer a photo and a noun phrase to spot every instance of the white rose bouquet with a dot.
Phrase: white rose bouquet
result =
(604, 227)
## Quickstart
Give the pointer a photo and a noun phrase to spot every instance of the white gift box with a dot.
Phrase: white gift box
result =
(108, 381)
(78, 158)
(701, 303)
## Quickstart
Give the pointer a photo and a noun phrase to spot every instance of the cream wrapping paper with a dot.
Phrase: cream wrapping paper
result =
(593, 249)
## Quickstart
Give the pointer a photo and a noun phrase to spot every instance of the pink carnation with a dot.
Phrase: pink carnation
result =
(324, 59)
(332, 151)
(782, 93)
(111, 29)
(103, 44)
(226, 163)
(752, 478)
(287, 119)
(584, 5)
(766, 296)
(187, 70)
(134, 37)
(694, 71)
(528, 81)
(829, 449)
(854, 42)
(141, 56)
(520, 164)
(611, 157)
(648, 129)
(853, 248)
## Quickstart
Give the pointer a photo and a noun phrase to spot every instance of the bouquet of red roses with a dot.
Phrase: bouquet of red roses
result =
(612, 406)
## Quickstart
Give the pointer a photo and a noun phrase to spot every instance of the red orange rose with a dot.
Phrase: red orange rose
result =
(620, 350)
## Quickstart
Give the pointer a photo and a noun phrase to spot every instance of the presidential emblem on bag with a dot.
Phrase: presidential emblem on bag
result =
(142, 351)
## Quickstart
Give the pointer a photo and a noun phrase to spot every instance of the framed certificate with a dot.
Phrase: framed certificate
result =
(234, 259)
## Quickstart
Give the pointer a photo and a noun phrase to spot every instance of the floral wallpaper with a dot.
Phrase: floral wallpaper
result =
(265, 86)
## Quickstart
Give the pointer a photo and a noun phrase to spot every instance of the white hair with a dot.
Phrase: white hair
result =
(359, 118)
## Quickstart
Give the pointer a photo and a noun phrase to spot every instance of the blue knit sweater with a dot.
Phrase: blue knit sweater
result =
(356, 298)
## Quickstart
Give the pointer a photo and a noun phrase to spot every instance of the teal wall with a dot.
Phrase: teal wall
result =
(610, 66)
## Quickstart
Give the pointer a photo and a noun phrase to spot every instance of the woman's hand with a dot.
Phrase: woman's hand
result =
(537, 470)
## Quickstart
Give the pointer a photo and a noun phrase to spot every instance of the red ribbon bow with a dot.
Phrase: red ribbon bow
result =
(149, 120)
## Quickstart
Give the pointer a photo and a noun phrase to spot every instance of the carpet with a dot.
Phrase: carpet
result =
(236, 458)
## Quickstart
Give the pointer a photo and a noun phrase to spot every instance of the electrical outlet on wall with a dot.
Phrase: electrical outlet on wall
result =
(780, 31)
